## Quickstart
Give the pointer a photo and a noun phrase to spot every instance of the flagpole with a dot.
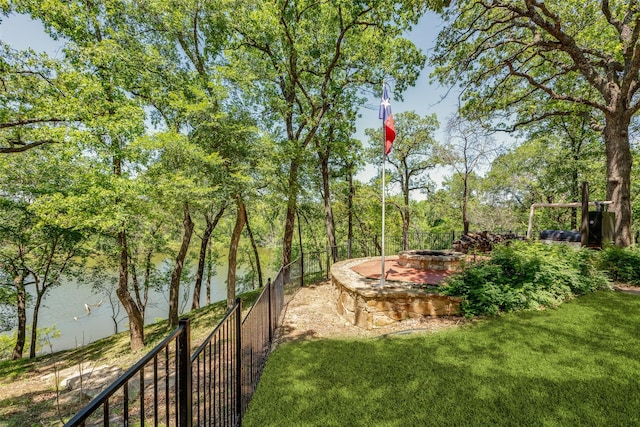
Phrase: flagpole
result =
(384, 156)
(384, 166)
(388, 135)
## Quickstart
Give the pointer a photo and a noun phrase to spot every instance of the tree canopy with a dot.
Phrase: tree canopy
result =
(232, 124)
(524, 61)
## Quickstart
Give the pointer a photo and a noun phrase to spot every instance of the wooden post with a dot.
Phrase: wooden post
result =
(584, 228)
(530, 228)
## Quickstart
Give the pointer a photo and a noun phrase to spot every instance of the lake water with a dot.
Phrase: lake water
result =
(64, 309)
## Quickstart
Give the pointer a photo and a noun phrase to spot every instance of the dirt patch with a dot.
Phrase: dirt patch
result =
(621, 287)
(311, 314)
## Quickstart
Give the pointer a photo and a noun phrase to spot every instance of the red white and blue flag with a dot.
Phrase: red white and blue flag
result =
(387, 120)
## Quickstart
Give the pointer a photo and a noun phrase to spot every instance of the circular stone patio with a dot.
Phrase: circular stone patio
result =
(407, 293)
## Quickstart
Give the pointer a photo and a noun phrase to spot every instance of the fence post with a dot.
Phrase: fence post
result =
(270, 313)
(184, 373)
(239, 360)
(584, 227)
(329, 254)
(301, 267)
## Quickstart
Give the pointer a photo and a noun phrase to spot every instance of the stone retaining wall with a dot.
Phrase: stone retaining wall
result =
(369, 306)
(445, 260)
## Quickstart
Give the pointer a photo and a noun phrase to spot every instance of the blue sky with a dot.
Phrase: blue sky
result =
(423, 98)
(21, 32)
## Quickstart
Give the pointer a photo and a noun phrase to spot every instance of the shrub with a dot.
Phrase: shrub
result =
(525, 276)
(621, 264)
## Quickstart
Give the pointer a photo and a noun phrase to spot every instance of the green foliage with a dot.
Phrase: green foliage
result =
(6, 345)
(44, 337)
(525, 276)
(621, 264)
(549, 166)
(525, 62)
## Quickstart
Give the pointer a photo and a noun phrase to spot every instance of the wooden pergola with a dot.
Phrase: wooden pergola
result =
(584, 204)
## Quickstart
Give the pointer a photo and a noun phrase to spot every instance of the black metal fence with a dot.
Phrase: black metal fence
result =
(152, 392)
(216, 367)
(359, 248)
(316, 264)
(213, 386)
(418, 240)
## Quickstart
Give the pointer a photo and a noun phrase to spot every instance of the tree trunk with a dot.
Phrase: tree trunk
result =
(619, 162)
(135, 316)
(147, 282)
(290, 219)
(136, 321)
(575, 194)
(405, 218)
(350, 212)
(465, 192)
(241, 217)
(34, 323)
(209, 273)
(133, 272)
(195, 301)
(206, 237)
(115, 311)
(329, 222)
(405, 228)
(21, 294)
(174, 286)
(301, 248)
(256, 254)
(141, 298)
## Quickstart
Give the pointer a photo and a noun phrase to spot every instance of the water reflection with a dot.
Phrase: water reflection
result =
(83, 315)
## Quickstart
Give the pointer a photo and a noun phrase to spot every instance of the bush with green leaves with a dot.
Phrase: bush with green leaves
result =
(521, 276)
(45, 336)
(621, 264)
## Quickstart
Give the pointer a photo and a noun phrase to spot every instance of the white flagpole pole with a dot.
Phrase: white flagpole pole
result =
(384, 155)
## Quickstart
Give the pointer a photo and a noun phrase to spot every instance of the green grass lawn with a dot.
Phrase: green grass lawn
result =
(577, 365)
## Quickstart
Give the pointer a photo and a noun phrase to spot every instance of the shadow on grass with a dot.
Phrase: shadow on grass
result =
(42, 404)
(578, 364)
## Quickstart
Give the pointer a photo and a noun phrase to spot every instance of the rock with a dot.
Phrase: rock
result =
(91, 378)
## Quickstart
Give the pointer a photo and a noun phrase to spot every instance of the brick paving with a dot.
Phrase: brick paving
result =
(372, 269)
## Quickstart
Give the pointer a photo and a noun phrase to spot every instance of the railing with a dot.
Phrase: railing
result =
(433, 241)
(216, 374)
(316, 266)
(153, 391)
(359, 248)
(257, 335)
(213, 386)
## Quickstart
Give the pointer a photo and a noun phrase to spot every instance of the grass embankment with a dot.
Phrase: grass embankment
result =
(578, 364)
(25, 399)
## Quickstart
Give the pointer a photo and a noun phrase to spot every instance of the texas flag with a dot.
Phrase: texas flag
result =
(387, 120)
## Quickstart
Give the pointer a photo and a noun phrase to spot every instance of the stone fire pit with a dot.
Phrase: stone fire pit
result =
(365, 304)
(431, 259)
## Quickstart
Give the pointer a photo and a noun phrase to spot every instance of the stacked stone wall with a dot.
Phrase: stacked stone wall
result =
(368, 306)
